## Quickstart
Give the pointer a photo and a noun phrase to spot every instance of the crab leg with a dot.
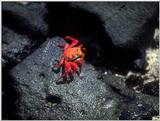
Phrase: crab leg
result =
(79, 63)
(67, 69)
(60, 63)
(74, 41)
(74, 68)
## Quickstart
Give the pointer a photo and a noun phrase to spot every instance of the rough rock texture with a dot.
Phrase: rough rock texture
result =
(14, 46)
(137, 111)
(151, 88)
(119, 32)
(85, 97)
(41, 98)
(135, 105)
(30, 90)
(26, 18)
(128, 24)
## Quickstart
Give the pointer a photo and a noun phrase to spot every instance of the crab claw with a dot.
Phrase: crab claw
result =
(68, 37)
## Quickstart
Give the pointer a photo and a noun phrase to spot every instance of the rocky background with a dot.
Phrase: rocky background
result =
(119, 78)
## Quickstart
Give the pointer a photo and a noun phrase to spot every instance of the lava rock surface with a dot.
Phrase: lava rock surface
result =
(123, 28)
(14, 46)
(25, 18)
(138, 111)
(118, 34)
(129, 25)
(42, 98)
(135, 105)
(151, 88)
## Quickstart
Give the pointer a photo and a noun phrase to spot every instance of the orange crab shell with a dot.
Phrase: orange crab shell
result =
(74, 53)
(72, 57)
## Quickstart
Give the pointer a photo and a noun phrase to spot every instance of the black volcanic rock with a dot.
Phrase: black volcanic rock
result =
(129, 24)
(135, 105)
(42, 98)
(138, 111)
(115, 35)
(14, 46)
(25, 19)
(85, 97)
(118, 31)
(151, 88)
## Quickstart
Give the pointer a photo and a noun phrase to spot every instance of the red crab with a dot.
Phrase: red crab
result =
(72, 57)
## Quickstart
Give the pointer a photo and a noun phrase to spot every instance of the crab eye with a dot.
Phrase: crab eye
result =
(78, 56)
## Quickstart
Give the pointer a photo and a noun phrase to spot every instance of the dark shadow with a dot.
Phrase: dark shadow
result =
(19, 25)
(88, 28)
(9, 96)
(134, 81)
(54, 99)
(151, 88)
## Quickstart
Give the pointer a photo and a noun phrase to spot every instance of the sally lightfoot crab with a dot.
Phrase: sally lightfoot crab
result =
(72, 57)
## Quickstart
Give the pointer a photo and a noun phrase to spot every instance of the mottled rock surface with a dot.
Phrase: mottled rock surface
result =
(135, 105)
(128, 24)
(25, 18)
(14, 46)
(138, 111)
(85, 97)
(41, 98)
(116, 36)
(123, 28)
(151, 88)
